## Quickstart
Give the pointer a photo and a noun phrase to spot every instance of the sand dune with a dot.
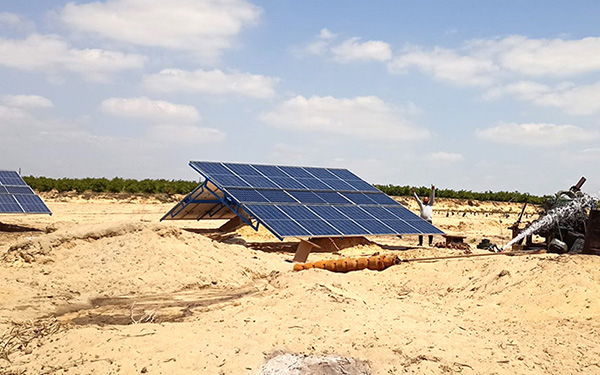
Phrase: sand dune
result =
(102, 287)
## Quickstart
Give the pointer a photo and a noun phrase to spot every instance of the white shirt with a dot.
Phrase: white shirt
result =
(426, 209)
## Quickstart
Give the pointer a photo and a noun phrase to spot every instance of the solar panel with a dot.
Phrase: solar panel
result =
(296, 201)
(16, 197)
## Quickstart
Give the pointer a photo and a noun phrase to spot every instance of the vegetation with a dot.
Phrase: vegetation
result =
(116, 185)
(148, 186)
(499, 196)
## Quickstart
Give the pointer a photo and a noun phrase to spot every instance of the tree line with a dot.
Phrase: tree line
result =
(498, 196)
(162, 186)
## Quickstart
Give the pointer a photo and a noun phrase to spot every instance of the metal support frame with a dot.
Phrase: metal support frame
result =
(220, 203)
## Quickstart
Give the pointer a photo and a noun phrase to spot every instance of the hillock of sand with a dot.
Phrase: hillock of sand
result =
(102, 287)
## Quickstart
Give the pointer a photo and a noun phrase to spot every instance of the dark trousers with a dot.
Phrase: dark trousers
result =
(430, 238)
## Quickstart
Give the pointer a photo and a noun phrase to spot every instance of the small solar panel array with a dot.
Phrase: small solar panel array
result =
(16, 197)
(313, 202)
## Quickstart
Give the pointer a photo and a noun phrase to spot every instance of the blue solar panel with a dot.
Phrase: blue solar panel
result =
(242, 169)
(8, 204)
(212, 168)
(19, 190)
(320, 172)
(259, 182)
(328, 213)
(313, 184)
(359, 198)
(296, 172)
(270, 171)
(361, 185)
(380, 212)
(288, 228)
(306, 196)
(332, 197)
(424, 226)
(347, 227)
(400, 226)
(308, 201)
(11, 178)
(287, 183)
(319, 228)
(381, 198)
(232, 181)
(375, 226)
(247, 195)
(267, 212)
(354, 212)
(344, 174)
(277, 196)
(17, 197)
(299, 212)
(337, 184)
(32, 204)
(402, 213)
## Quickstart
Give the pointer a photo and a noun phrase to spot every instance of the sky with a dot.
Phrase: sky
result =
(474, 95)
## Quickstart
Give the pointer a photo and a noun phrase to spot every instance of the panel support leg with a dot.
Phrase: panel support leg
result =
(232, 224)
(303, 250)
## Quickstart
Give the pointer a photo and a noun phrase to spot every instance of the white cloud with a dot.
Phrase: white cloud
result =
(444, 157)
(541, 57)
(27, 101)
(349, 50)
(206, 27)
(577, 100)
(536, 135)
(365, 117)
(51, 54)
(211, 82)
(150, 110)
(352, 49)
(9, 115)
(185, 134)
(447, 65)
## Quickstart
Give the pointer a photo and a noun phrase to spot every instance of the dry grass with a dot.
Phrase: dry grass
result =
(22, 334)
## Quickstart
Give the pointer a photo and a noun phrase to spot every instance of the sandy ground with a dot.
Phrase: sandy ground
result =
(101, 287)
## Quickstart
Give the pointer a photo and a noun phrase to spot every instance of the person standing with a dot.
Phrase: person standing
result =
(426, 208)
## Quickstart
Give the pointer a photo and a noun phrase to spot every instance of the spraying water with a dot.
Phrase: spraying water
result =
(574, 209)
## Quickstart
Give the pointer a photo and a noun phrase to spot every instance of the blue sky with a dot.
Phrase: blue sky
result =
(474, 95)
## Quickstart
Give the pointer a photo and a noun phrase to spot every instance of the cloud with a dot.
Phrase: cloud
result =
(27, 101)
(446, 65)
(576, 100)
(211, 82)
(185, 134)
(149, 110)
(51, 54)
(536, 135)
(365, 117)
(206, 27)
(443, 157)
(170, 123)
(352, 49)
(347, 51)
(541, 57)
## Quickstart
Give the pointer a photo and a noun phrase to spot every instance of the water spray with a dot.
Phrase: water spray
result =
(573, 210)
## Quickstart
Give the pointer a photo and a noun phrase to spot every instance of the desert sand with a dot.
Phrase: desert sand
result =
(103, 287)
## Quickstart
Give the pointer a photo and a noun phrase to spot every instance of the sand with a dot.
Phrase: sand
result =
(102, 287)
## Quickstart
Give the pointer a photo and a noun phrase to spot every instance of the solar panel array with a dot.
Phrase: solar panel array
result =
(16, 197)
(313, 202)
